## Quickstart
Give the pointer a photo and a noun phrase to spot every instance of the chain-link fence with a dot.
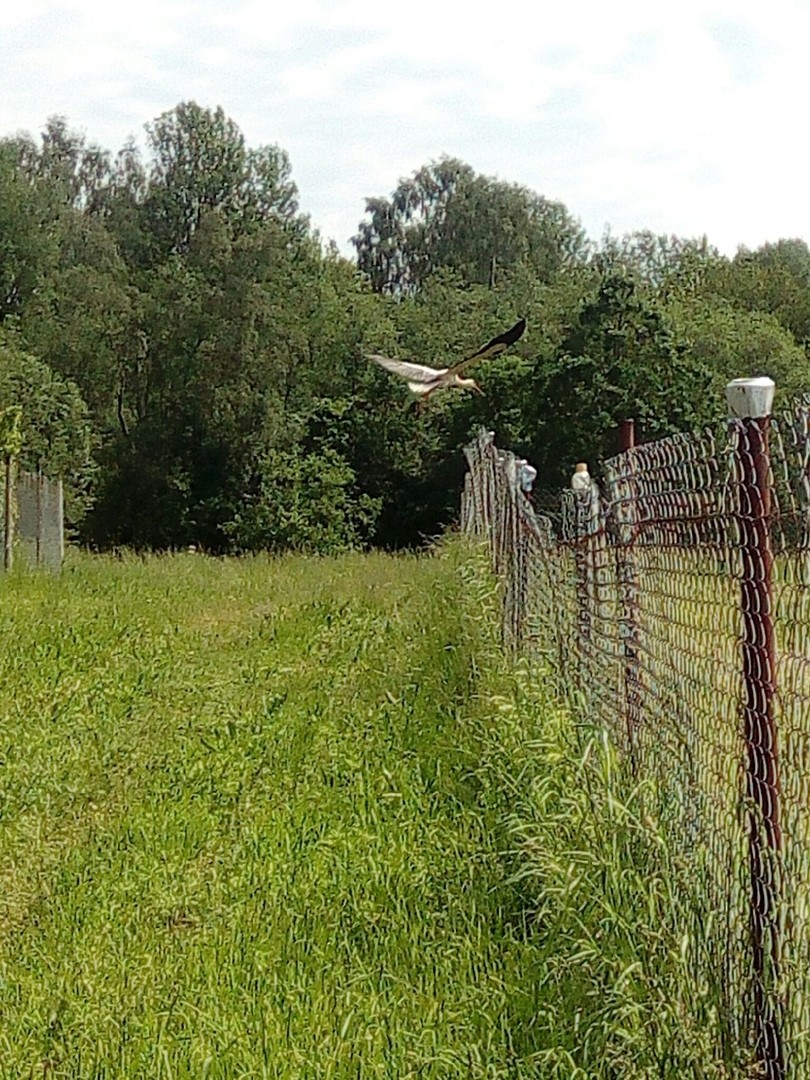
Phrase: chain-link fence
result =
(672, 603)
(32, 520)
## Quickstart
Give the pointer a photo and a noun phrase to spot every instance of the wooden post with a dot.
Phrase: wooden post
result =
(581, 548)
(10, 447)
(8, 514)
(750, 402)
(38, 547)
(60, 519)
(514, 564)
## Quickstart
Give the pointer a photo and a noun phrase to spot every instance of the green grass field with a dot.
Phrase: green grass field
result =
(298, 818)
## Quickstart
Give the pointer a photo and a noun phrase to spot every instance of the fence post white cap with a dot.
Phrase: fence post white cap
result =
(750, 398)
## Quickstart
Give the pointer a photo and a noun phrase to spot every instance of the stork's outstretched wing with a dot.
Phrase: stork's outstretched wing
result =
(417, 373)
(493, 348)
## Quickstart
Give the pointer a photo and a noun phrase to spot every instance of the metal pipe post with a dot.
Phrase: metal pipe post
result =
(750, 402)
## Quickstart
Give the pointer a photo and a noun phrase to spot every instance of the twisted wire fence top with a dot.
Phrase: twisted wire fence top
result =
(671, 604)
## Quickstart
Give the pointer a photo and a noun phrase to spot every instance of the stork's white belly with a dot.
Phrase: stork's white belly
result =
(420, 388)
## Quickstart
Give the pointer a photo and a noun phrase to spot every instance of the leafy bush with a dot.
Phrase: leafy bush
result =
(302, 501)
(55, 427)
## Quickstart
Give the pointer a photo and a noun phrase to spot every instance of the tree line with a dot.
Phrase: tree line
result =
(189, 354)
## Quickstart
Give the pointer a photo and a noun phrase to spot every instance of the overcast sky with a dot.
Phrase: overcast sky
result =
(686, 118)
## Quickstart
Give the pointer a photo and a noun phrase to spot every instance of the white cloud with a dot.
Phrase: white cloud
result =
(686, 119)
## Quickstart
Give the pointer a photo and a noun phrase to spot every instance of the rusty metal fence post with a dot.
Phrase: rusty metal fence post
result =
(750, 402)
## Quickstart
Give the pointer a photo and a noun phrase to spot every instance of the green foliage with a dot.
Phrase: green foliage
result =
(774, 279)
(200, 164)
(29, 247)
(618, 358)
(84, 318)
(665, 262)
(303, 501)
(55, 432)
(209, 331)
(729, 340)
(446, 216)
(11, 440)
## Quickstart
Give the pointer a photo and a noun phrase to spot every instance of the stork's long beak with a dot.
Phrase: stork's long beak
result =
(477, 388)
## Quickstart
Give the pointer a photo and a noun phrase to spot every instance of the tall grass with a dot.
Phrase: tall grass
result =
(299, 818)
(622, 986)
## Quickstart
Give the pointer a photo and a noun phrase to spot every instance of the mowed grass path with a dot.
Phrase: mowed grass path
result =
(241, 828)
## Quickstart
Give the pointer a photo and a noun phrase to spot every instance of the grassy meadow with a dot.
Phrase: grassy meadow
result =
(298, 817)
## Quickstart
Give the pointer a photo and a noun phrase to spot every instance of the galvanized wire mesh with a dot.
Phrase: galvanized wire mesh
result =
(673, 607)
